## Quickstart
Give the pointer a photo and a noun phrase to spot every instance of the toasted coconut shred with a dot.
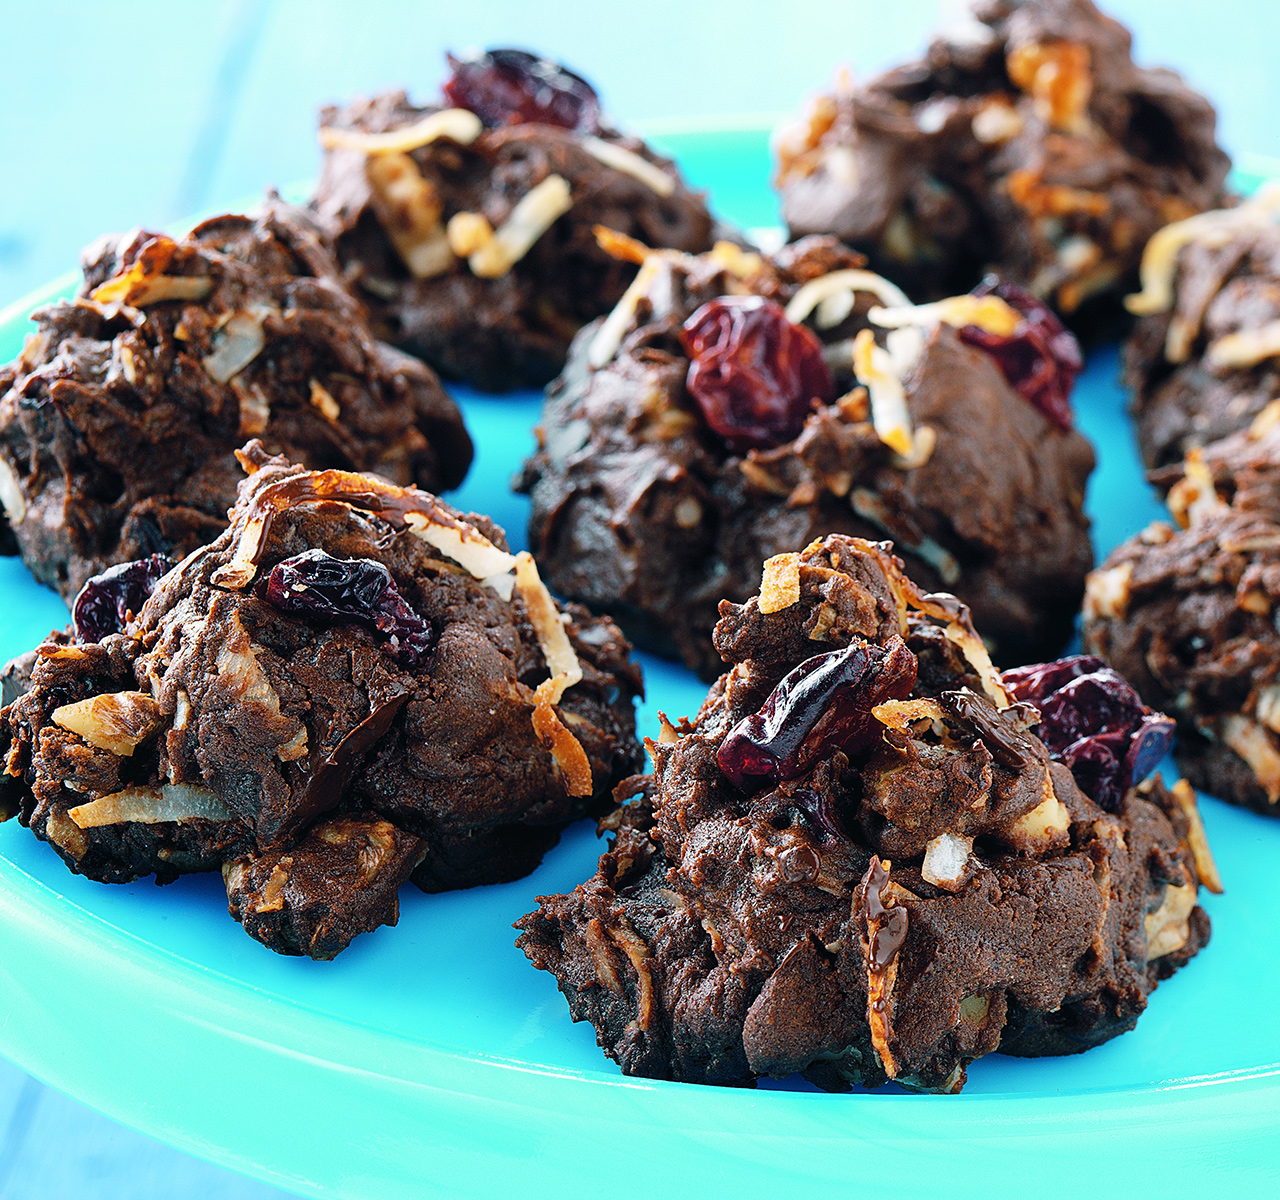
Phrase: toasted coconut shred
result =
(535, 212)
(565, 670)
(457, 124)
(152, 805)
(837, 283)
(1216, 228)
(630, 163)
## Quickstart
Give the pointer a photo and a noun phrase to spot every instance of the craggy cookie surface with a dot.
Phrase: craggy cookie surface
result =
(468, 230)
(120, 419)
(1204, 359)
(859, 861)
(734, 406)
(1028, 143)
(347, 689)
(1187, 612)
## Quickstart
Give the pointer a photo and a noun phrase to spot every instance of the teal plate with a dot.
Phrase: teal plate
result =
(431, 1059)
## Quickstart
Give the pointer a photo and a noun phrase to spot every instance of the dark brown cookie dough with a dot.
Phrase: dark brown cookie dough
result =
(441, 722)
(1187, 612)
(901, 881)
(119, 421)
(411, 224)
(1204, 359)
(642, 510)
(1027, 143)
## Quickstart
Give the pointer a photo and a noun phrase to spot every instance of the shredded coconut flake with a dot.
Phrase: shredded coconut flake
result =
(1216, 228)
(532, 216)
(1257, 747)
(457, 124)
(630, 163)
(607, 339)
(1197, 839)
(463, 543)
(817, 290)
(15, 505)
(562, 662)
(987, 312)
(150, 805)
(117, 721)
(410, 211)
(240, 342)
(1246, 347)
(874, 367)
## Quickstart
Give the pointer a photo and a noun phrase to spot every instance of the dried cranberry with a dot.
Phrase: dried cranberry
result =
(752, 372)
(318, 586)
(1040, 359)
(822, 706)
(1092, 720)
(514, 87)
(108, 601)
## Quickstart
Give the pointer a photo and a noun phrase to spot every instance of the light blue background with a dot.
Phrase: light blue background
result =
(114, 115)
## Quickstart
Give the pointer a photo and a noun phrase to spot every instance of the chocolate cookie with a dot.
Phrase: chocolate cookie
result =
(468, 229)
(348, 688)
(1188, 614)
(120, 419)
(1204, 359)
(704, 426)
(858, 861)
(1026, 143)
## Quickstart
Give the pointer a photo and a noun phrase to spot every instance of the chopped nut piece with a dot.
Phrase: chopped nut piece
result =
(1167, 929)
(457, 124)
(1106, 593)
(118, 721)
(1057, 74)
(468, 233)
(780, 583)
(948, 861)
(996, 121)
(1044, 827)
(1194, 495)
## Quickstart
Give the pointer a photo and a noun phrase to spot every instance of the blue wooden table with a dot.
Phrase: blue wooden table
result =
(116, 115)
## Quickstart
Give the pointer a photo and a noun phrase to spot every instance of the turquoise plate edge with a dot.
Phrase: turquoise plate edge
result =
(260, 1079)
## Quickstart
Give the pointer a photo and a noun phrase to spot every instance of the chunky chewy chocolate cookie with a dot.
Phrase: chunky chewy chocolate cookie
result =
(120, 419)
(347, 689)
(1188, 614)
(734, 406)
(1204, 360)
(1027, 143)
(467, 226)
(860, 862)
